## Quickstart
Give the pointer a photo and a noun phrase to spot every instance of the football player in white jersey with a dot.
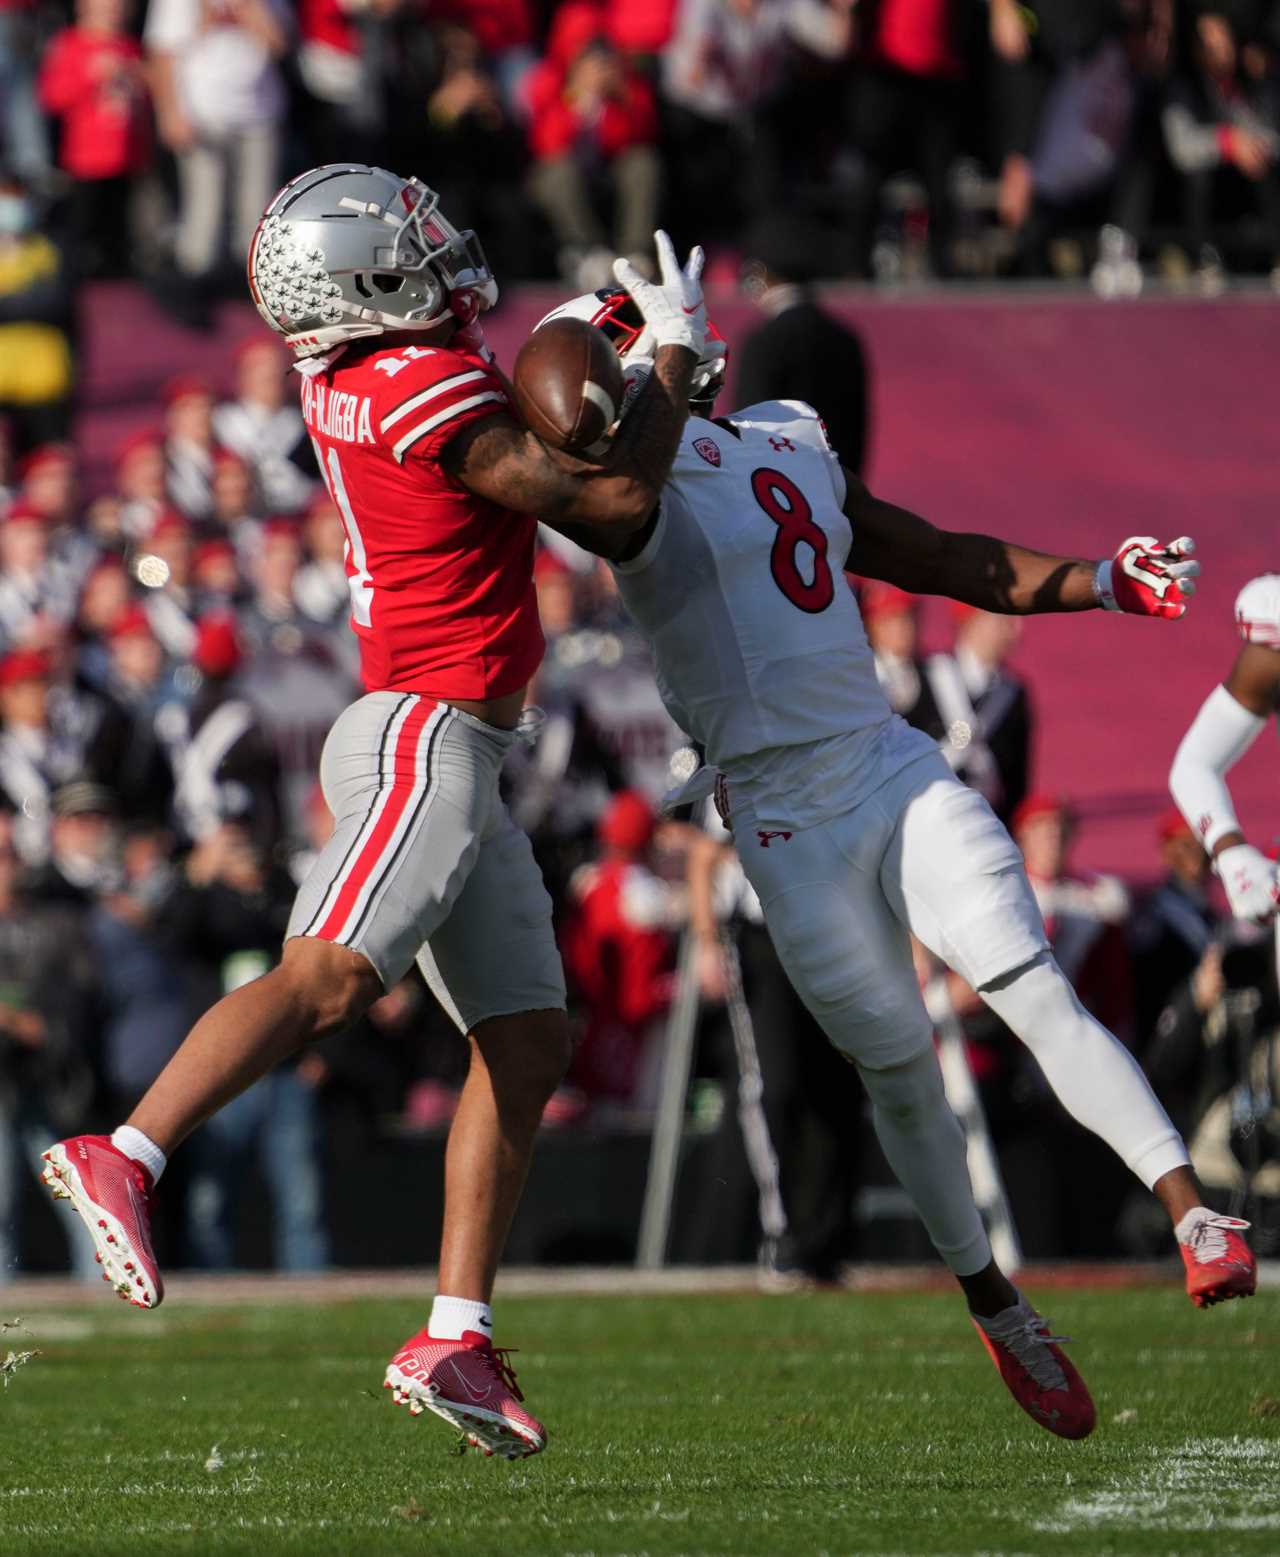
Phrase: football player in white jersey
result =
(1230, 720)
(854, 831)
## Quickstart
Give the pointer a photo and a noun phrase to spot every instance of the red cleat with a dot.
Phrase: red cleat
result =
(1037, 1373)
(1220, 1264)
(112, 1195)
(472, 1386)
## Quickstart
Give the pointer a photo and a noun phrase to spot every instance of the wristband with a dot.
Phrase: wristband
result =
(1102, 590)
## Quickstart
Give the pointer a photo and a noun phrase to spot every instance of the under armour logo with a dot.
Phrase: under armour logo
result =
(765, 837)
(778, 444)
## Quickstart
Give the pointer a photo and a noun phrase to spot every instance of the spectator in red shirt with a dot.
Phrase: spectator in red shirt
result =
(92, 78)
(619, 950)
(592, 134)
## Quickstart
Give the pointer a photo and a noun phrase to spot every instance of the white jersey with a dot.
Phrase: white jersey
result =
(757, 636)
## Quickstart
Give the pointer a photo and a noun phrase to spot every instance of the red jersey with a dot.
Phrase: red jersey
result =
(441, 581)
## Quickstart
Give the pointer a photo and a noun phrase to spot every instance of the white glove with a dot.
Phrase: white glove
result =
(673, 309)
(1249, 880)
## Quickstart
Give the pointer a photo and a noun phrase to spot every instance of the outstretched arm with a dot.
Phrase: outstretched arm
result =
(893, 544)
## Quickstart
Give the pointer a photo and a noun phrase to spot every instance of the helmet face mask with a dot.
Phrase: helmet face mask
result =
(348, 250)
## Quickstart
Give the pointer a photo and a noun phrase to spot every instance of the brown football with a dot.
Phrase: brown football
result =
(568, 384)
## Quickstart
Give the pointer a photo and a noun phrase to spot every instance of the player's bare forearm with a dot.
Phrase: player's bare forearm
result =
(1254, 681)
(602, 502)
(895, 545)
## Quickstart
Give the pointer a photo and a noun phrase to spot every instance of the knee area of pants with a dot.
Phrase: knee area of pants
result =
(1033, 998)
(907, 1095)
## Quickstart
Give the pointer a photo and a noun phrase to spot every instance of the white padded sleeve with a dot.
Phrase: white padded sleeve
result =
(1219, 736)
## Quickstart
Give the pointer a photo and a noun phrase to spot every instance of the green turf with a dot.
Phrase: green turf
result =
(818, 1423)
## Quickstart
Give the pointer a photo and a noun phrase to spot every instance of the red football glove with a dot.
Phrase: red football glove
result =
(1148, 579)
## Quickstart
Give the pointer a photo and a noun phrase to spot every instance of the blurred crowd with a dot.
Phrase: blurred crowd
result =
(956, 137)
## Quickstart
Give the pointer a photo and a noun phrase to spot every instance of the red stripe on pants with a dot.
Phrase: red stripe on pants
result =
(404, 776)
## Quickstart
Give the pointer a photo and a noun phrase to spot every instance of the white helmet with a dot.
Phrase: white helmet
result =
(614, 311)
(348, 250)
(1258, 610)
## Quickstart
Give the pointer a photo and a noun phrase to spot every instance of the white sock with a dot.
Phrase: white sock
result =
(450, 1316)
(1094, 1076)
(924, 1144)
(141, 1148)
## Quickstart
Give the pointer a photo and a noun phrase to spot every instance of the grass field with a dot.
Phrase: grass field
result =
(868, 1423)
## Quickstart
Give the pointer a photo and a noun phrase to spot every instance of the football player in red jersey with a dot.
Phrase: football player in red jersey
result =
(437, 484)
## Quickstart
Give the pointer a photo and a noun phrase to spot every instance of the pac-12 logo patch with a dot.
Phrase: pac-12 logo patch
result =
(709, 450)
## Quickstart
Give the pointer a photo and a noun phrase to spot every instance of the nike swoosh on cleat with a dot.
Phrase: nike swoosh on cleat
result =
(137, 1206)
(466, 1384)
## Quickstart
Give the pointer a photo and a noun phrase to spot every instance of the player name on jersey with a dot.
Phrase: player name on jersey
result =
(334, 413)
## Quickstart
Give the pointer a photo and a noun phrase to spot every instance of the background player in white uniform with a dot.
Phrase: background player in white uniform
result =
(853, 829)
(1230, 720)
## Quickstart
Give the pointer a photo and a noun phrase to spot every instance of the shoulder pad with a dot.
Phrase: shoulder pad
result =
(785, 420)
(1258, 610)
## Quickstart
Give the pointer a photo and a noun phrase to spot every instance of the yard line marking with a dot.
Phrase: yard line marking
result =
(1203, 1484)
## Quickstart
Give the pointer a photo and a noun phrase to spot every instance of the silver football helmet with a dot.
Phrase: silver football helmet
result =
(348, 250)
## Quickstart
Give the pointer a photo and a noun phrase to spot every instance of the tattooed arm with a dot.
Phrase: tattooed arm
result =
(600, 504)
